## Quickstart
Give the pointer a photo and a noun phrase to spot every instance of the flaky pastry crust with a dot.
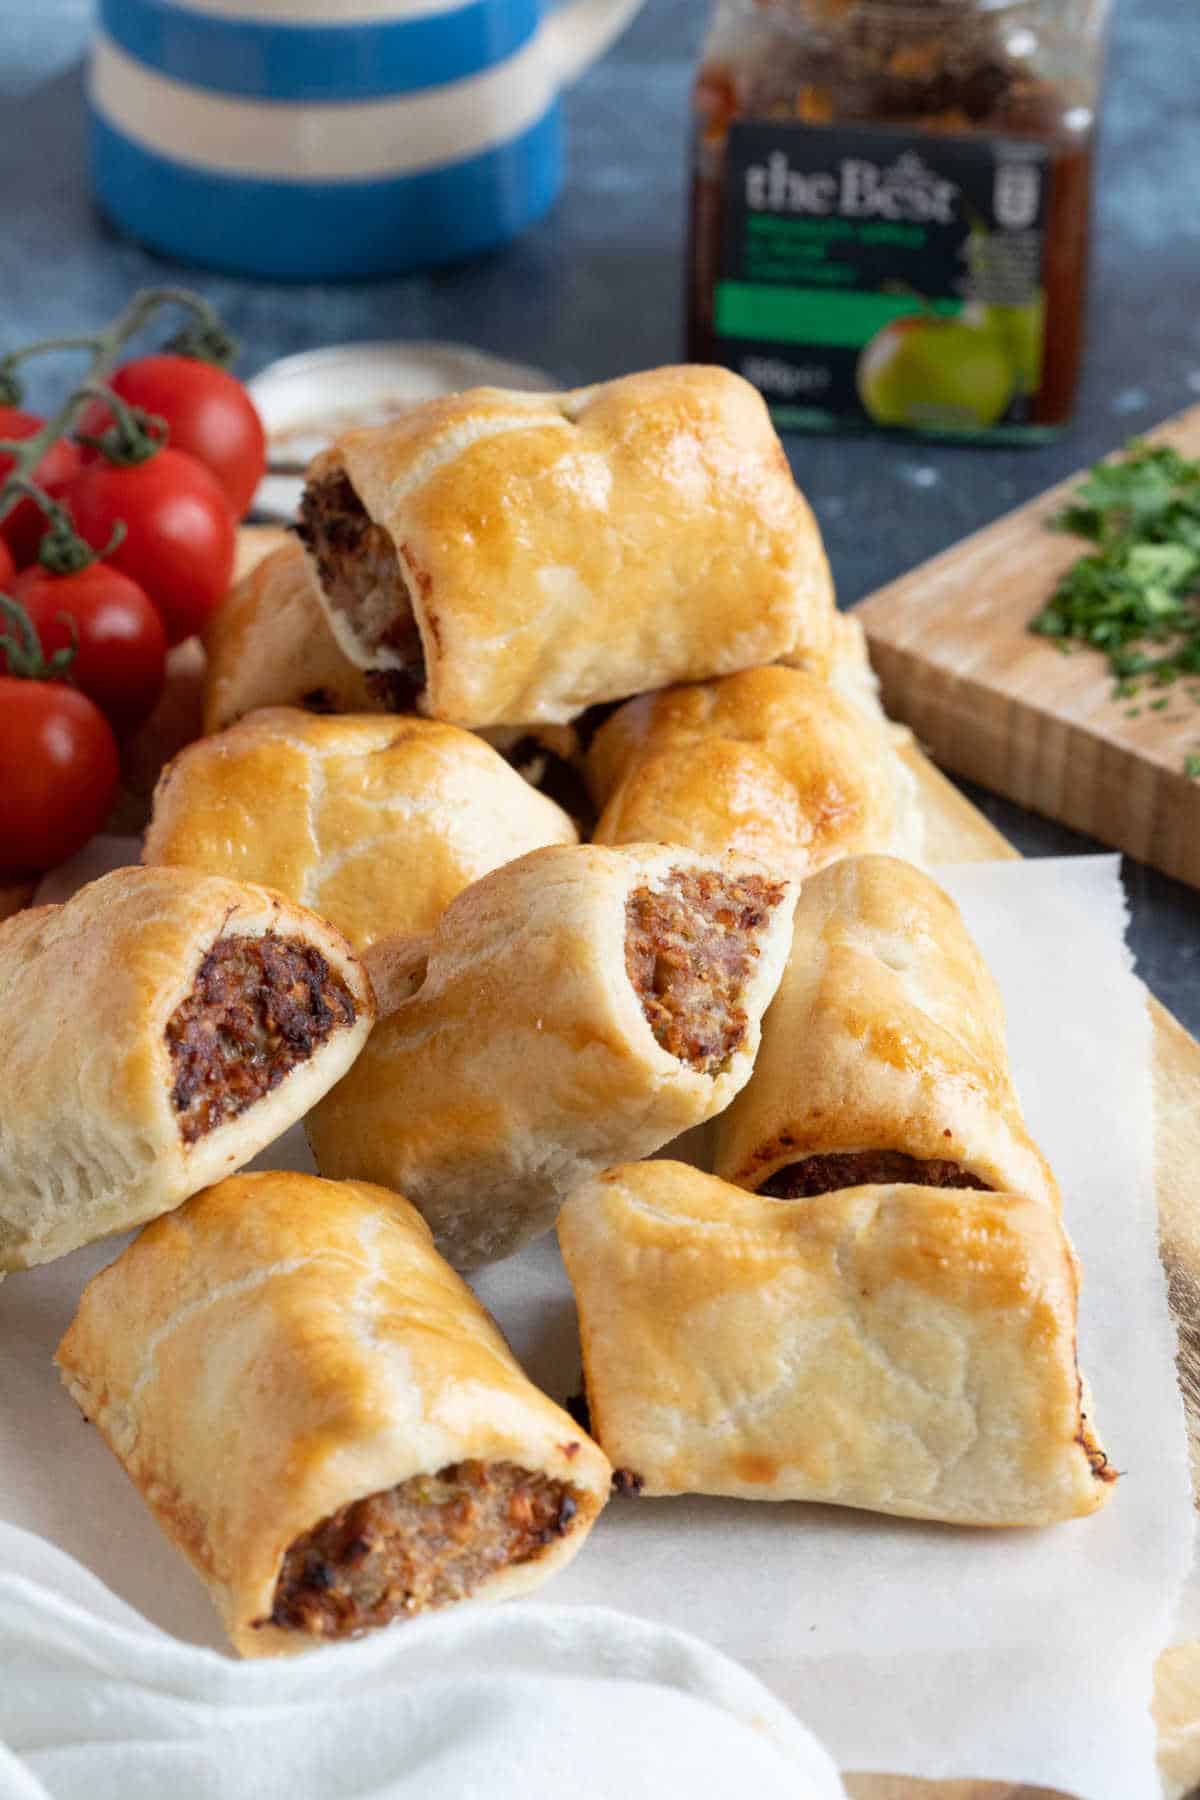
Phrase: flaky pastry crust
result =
(770, 763)
(888, 1347)
(90, 1142)
(283, 1346)
(526, 1061)
(887, 1034)
(376, 823)
(564, 549)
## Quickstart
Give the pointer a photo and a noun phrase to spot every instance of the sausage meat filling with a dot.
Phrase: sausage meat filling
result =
(424, 1544)
(856, 1168)
(258, 1007)
(360, 576)
(689, 950)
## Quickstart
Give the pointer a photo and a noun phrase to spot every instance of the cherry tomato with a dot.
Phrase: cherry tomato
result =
(179, 532)
(7, 569)
(208, 413)
(121, 659)
(23, 527)
(58, 772)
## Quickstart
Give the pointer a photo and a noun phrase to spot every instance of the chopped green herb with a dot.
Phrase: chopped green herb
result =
(1136, 597)
(1159, 705)
(1191, 767)
(1133, 712)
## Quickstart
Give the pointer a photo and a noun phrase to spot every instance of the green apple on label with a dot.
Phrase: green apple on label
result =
(935, 373)
(1021, 329)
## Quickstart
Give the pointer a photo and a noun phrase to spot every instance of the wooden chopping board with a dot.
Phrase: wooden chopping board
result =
(995, 703)
(956, 832)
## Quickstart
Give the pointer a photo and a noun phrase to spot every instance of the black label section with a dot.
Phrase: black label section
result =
(884, 276)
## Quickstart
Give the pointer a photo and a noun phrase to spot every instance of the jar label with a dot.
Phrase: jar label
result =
(885, 277)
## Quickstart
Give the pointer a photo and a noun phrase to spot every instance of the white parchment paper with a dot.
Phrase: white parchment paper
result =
(907, 1647)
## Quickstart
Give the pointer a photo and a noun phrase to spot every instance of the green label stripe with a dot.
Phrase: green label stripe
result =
(797, 315)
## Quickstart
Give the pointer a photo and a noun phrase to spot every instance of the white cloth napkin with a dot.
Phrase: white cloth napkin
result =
(96, 1704)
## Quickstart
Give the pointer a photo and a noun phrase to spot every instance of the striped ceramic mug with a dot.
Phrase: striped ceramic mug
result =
(328, 138)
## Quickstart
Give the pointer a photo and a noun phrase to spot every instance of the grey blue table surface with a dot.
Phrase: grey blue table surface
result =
(596, 289)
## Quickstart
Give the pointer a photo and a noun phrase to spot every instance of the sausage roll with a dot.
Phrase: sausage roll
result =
(771, 763)
(579, 1006)
(376, 823)
(321, 1415)
(883, 1055)
(891, 1347)
(516, 557)
(156, 1032)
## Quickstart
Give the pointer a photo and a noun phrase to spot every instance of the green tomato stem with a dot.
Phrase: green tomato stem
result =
(22, 487)
(134, 435)
(107, 347)
(23, 652)
(10, 362)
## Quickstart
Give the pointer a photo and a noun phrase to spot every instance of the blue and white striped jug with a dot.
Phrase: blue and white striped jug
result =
(306, 139)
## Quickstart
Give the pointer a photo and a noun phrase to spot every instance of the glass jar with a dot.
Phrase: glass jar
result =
(890, 206)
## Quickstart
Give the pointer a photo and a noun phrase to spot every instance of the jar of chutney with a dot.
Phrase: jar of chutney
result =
(890, 205)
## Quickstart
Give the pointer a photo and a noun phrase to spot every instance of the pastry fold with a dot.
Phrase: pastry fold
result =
(770, 763)
(156, 1032)
(516, 557)
(889, 1347)
(883, 1054)
(376, 823)
(321, 1415)
(579, 1006)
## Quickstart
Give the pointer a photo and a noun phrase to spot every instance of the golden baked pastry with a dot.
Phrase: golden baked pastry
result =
(269, 644)
(156, 1032)
(883, 1055)
(845, 663)
(770, 763)
(321, 1415)
(397, 967)
(375, 822)
(891, 1347)
(516, 557)
(579, 1006)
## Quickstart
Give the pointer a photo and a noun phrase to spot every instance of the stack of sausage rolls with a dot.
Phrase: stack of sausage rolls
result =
(546, 813)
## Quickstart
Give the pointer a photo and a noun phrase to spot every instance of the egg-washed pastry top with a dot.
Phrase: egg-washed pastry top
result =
(893, 1347)
(515, 558)
(884, 1057)
(771, 763)
(269, 644)
(376, 823)
(156, 1032)
(321, 1415)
